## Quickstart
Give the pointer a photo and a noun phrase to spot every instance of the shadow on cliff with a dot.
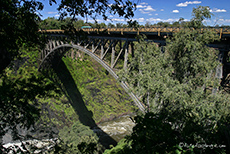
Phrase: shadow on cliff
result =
(71, 91)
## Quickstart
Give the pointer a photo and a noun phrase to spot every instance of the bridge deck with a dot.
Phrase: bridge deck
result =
(222, 32)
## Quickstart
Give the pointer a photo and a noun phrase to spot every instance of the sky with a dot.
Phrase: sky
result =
(154, 11)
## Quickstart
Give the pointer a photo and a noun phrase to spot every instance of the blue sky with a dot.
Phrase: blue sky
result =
(154, 11)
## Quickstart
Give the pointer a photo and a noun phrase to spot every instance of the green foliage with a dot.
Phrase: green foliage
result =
(50, 23)
(81, 139)
(189, 55)
(21, 21)
(56, 113)
(93, 8)
(110, 25)
(18, 26)
(199, 15)
(122, 148)
(145, 70)
(79, 23)
(95, 85)
(20, 87)
(153, 134)
(178, 86)
(165, 132)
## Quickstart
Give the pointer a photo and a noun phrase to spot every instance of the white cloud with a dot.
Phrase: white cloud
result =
(154, 20)
(57, 15)
(217, 21)
(143, 12)
(175, 11)
(149, 8)
(51, 12)
(97, 20)
(141, 20)
(143, 3)
(156, 14)
(150, 14)
(223, 21)
(170, 20)
(187, 3)
(218, 10)
(162, 9)
(141, 6)
(118, 19)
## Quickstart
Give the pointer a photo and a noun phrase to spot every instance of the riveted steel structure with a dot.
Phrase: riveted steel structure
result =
(108, 51)
(110, 47)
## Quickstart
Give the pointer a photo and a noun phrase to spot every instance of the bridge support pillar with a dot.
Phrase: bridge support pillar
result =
(102, 49)
(112, 56)
(93, 45)
(126, 56)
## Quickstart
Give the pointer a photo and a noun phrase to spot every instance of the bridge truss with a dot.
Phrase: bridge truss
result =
(111, 47)
(112, 53)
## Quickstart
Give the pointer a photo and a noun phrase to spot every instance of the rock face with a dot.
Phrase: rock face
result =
(118, 128)
(34, 146)
(7, 138)
(38, 132)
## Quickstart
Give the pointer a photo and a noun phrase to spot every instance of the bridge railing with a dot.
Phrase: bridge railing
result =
(155, 30)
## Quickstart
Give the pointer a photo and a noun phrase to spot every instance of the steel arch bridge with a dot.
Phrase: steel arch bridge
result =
(105, 50)
(111, 47)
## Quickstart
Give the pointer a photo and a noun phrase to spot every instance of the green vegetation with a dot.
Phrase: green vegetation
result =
(80, 138)
(179, 88)
(53, 23)
(49, 107)
(123, 147)
(102, 95)
(18, 28)
(21, 85)
(185, 104)
(95, 85)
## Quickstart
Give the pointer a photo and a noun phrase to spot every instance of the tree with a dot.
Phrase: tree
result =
(119, 25)
(19, 26)
(177, 86)
(199, 14)
(79, 23)
(50, 23)
(19, 29)
(163, 24)
(110, 25)
(148, 24)
(20, 87)
(176, 24)
(21, 20)
(102, 25)
(81, 138)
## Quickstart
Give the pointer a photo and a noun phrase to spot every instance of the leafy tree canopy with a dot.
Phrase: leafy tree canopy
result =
(20, 86)
(20, 82)
(178, 87)
(20, 18)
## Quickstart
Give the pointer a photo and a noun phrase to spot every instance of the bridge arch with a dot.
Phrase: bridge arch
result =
(53, 49)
